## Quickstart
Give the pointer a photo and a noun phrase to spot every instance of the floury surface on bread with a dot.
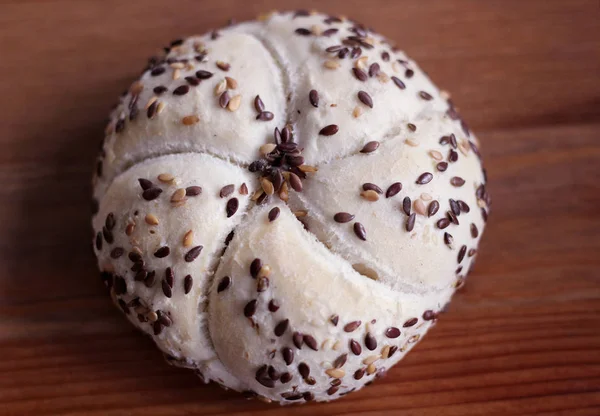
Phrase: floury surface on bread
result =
(286, 205)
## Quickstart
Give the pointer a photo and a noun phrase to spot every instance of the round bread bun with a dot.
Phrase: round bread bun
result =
(286, 205)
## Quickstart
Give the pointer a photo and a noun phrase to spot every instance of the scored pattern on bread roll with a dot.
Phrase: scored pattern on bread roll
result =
(286, 205)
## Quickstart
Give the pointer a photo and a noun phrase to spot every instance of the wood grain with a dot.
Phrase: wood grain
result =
(522, 337)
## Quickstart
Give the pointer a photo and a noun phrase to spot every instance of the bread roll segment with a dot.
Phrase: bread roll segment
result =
(286, 205)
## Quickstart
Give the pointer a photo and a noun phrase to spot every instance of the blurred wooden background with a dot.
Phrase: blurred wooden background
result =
(523, 337)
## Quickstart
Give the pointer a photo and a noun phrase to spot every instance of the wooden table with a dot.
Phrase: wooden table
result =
(523, 337)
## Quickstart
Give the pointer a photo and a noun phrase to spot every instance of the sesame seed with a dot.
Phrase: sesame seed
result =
(202, 74)
(370, 195)
(231, 83)
(419, 207)
(372, 187)
(193, 81)
(449, 240)
(365, 98)
(304, 370)
(452, 217)
(442, 166)
(454, 206)
(313, 97)
(161, 106)
(151, 219)
(226, 190)
(273, 305)
(273, 214)
(250, 308)
(288, 355)
(181, 90)
(117, 252)
(334, 48)
(406, 203)
(392, 190)
(232, 207)
(234, 103)
(374, 69)
(358, 374)
(267, 186)
(223, 284)
(223, 66)
(370, 341)
(157, 71)
(193, 191)
(425, 96)
(472, 252)
(281, 327)
(162, 252)
(343, 217)
(178, 195)
(329, 130)
(410, 322)
(411, 142)
(457, 181)
(392, 332)
(461, 253)
(357, 112)
(110, 221)
(453, 156)
(463, 206)
(151, 193)
(191, 255)
(351, 326)
(262, 284)
(436, 155)
(360, 231)
(355, 347)
(255, 267)
(145, 184)
(259, 106)
(167, 291)
(151, 110)
(149, 280)
(295, 182)
(474, 231)
(169, 277)
(398, 82)
(370, 147)
(356, 52)
(370, 359)
(335, 372)
(340, 361)
(329, 64)
(361, 62)
(166, 178)
(303, 32)
(264, 271)
(443, 223)
(330, 32)
(188, 281)
(108, 235)
(311, 342)
(190, 120)
(224, 100)
(359, 74)
(424, 178)
(99, 241)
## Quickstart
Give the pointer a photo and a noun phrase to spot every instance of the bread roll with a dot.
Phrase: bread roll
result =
(286, 205)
